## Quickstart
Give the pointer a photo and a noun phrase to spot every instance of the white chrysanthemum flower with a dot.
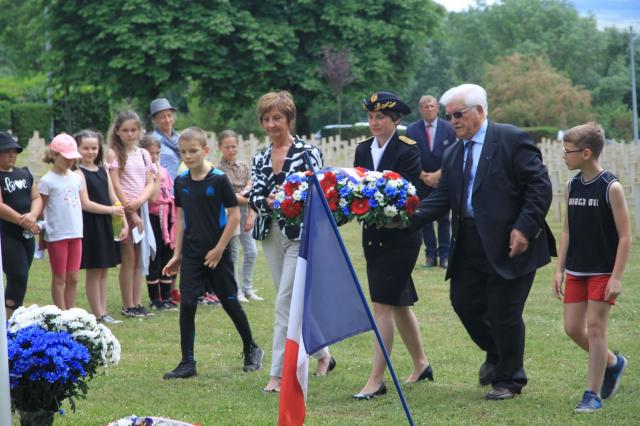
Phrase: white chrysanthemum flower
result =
(379, 197)
(280, 196)
(304, 186)
(390, 211)
(103, 346)
(297, 195)
(342, 202)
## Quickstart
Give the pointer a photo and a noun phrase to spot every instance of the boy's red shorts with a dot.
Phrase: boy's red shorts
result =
(580, 288)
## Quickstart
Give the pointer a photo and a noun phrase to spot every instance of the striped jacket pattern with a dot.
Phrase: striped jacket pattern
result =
(264, 182)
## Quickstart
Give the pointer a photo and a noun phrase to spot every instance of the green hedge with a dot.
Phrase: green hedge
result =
(537, 133)
(28, 117)
(5, 115)
(86, 109)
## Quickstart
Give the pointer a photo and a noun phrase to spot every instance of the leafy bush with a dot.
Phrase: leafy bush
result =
(5, 115)
(28, 117)
(537, 133)
(87, 108)
(616, 119)
(24, 89)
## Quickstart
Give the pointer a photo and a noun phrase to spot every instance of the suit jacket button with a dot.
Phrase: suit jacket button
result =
(380, 244)
(370, 243)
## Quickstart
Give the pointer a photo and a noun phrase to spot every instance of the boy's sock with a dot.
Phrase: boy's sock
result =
(153, 290)
(165, 291)
(187, 330)
(233, 308)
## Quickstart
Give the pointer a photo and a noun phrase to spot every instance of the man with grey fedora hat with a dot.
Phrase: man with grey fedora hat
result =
(163, 117)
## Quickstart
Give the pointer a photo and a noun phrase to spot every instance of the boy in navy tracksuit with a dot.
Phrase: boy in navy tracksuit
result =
(207, 216)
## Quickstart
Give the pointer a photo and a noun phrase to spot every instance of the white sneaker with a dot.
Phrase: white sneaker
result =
(251, 295)
(108, 319)
(241, 298)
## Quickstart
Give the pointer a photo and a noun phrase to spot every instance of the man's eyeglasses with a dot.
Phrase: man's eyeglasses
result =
(565, 152)
(457, 114)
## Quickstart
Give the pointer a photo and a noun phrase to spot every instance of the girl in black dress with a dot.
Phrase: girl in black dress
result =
(99, 252)
(391, 254)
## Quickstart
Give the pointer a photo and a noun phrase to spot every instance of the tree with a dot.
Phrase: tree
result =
(552, 28)
(235, 51)
(336, 69)
(22, 37)
(528, 91)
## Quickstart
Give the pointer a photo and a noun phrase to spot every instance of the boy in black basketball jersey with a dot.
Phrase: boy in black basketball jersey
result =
(594, 248)
(203, 196)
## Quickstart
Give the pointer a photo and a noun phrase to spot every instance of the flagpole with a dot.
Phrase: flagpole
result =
(5, 394)
(316, 183)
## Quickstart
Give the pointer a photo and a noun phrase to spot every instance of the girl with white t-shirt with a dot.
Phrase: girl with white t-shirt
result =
(60, 190)
(131, 172)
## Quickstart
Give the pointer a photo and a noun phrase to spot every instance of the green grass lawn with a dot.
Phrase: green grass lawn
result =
(222, 394)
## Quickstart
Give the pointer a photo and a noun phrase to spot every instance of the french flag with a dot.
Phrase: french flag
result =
(326, 304)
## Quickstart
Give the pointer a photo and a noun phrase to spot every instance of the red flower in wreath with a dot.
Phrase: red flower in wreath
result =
(412, 204)
(391, 175)
(290, 188)
(360, 206)
(328, 181)
(332, 198)
(290, 208)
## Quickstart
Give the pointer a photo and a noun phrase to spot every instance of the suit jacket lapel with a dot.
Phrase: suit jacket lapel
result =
(389, 154)
(486, 156)
(368, 158)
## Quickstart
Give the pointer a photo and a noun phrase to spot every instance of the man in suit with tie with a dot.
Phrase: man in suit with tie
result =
(433, 137)
(499, 192)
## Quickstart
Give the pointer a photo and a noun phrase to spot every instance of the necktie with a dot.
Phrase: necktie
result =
(428, 136)
(466, 173)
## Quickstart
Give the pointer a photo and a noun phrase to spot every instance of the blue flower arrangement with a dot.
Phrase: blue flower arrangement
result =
(45, 368)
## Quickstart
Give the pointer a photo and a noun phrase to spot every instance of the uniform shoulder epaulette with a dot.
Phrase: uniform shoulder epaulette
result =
(366, 140)
(407, 140)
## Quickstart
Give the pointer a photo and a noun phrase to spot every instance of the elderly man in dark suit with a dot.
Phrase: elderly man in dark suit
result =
(433, 137)
(499, 192)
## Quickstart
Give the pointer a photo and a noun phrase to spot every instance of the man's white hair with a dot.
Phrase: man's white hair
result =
(469, 94)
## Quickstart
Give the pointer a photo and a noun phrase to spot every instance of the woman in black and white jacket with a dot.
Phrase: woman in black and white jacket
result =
(280, 242)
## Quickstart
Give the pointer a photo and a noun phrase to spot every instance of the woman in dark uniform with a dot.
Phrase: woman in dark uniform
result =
(391, 254)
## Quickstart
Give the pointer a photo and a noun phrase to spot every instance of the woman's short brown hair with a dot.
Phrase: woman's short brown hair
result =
(280, 100)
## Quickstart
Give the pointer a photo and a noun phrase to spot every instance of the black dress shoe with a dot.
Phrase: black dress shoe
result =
(430, 263)
(444, 263)
(427, 374)
(485, 375)
(367, 396)
(332, 365)
(498, 394)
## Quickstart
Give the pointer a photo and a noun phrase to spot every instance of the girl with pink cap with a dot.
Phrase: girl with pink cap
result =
(60, 189)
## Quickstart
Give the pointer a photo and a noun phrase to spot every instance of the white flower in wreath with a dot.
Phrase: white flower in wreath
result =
(304, 186)
(280, 196)
(390, 211)
(297, 195)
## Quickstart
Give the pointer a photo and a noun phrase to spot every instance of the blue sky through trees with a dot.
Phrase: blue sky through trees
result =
(619, 13)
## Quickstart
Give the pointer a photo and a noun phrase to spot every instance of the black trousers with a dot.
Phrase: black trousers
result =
(490, 308)
(17, 255)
